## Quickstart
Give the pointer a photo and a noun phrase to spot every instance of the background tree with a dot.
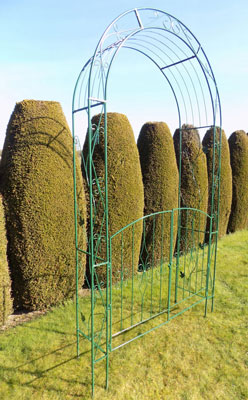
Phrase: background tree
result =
(238, 143)
(125, 193)
(37, 185)
(5, 285)
(160, 178)
(225, 178)
(194, 186)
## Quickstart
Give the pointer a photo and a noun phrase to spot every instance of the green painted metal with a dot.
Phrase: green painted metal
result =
(157, 291)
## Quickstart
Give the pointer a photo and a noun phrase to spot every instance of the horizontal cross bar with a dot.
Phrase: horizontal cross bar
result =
(84, 335)
(83, 251)
(98, 100)
(101, 264)
(178, 62)
(197, 127)
(99, 103)
(100, 359)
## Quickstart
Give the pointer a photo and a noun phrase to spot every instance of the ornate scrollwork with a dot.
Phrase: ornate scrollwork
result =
(77, 142)
(97, 130)
(118, 33)
(171, 25)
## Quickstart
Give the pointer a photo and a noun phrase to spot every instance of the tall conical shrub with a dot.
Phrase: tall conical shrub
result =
(125, 194)
(37, 186)
(160, 178)
(5, 285)
(238, 143)
(194, 186)
(225, 178)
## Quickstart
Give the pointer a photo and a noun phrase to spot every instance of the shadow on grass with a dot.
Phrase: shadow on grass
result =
(45, 355)
(40, 373)
(50, 330)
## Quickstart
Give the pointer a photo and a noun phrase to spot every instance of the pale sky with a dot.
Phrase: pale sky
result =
(44, 44)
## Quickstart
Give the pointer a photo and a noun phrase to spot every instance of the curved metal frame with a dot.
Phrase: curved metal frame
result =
(179, 56)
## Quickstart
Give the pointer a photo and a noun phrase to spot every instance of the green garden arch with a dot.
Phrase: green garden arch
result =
(181, 61)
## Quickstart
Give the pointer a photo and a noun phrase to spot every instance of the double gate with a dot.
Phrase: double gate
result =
(166, 280)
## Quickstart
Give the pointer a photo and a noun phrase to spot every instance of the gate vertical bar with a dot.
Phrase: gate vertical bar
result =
(76, 234)
(179, 212)
(108, 303)
(92, 260)
(212, 217)
(170, 261)
(208, 265)
(217, 217)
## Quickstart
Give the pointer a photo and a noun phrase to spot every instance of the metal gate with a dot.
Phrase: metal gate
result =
(158, 289)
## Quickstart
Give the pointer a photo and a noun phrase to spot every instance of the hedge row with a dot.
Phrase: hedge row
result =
(225, 181)
(238, 143)
(37, 187)
(194, 186)
(125, 195)
(158, 165)
(5, 285)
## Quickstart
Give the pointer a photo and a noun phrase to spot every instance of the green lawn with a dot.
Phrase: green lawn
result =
(190, 358)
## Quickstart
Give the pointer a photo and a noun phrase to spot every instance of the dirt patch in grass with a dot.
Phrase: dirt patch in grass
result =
(21, 316)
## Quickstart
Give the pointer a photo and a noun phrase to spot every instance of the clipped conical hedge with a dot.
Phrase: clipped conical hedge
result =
(5, 285)
(225, 180)
(194, 186)
(238, 143)
(125, 194)
(160, 178)
(37, 186)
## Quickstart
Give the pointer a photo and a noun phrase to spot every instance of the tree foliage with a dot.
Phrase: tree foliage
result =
(194, 186)
(160, 178)
(238, 143)
(37, 186)
(225, 178)
(5, 284)
(125, 194)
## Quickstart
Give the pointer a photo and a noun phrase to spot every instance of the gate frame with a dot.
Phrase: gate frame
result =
(95, 70)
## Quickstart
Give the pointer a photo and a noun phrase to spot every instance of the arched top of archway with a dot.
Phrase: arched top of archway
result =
(172, 47)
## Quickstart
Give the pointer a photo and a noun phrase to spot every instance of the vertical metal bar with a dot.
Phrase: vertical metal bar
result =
(218, 212)
(203, 256)
(111, 299)
(107, 326)
(76, 233)
(185, 253)
(191, 246)
(180, 166)
(179, 212)
(144, 271)
(91, 258)
(153, 234)
(214, 273)
(202, 270)
(106, 238)
(197, 250)
(212, 202)
(161, 260)
(208, 266)
(121, 280)
(178, 254)
(132, 300)
(170, 261)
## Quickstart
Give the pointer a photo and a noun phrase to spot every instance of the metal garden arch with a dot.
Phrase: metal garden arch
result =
(181, 60)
